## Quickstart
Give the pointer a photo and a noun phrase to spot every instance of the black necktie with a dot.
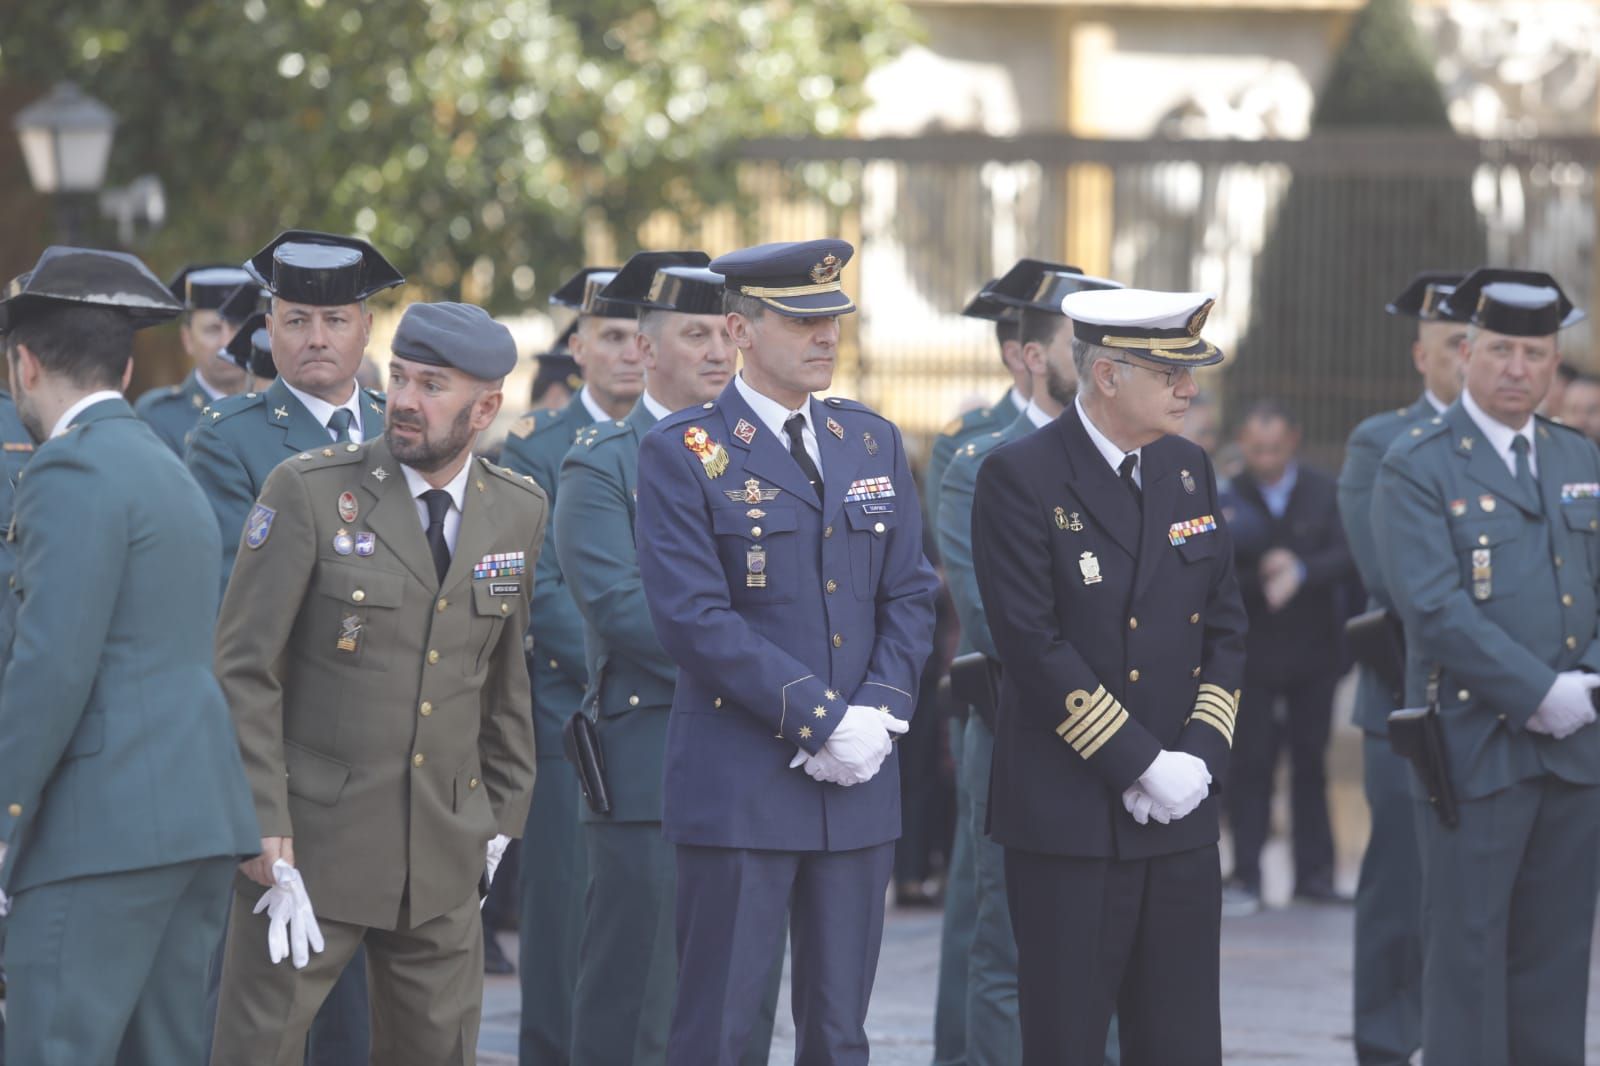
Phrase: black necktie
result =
(339, 423)
(1130, 461)
(1519, 445)
(438, 502)
(795, 428)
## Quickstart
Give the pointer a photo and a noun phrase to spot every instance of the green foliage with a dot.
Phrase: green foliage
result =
(1383, 76)
(469, 139)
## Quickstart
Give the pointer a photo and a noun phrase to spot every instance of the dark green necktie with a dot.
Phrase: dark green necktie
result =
(339, 423)
(1519, 445)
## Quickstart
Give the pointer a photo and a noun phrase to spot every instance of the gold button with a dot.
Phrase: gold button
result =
(1483, 538)
(838, 641)
(433, 655)
(358, 595)
(717, 703)
(877, 527)
(15, 810)
(554, 665)
(1194, 618)
(1463, 695)
(1133, 675)
(827, 531)
(1501, 717)
(1195, 672)
(442, 604)
(1558, 560)
(417, 760)
(1133, 623)
(1572, 642)
(1566, 599)
(472, 782)
(1594, 523)
(832, 586)
(755, 531)
(505, 608)
(426, 708)
(633, 701)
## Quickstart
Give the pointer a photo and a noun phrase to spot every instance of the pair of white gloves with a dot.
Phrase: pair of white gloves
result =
(1170, 788)
(855, 750)
(292, 929)
(1567, 707)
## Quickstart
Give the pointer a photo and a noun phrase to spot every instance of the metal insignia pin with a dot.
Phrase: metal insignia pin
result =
(349, 633)
(744, 431)
(347, 507)
(1061, 518)
(1090, 566)
(343, 542)
(755, 567)
(1458, 508)
(872, 445)
(1487, 502)
(1075, 522)
(380, 473)
(1188, 481)
(836, 429)
(366, 543)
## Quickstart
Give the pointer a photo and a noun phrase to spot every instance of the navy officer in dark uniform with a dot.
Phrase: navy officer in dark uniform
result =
(1107, 581)
(780, 546)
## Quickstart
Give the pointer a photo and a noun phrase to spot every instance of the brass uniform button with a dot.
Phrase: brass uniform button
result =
(838, 641)
(877, 527)
(1483, 538)
(442, 604)
(472, 782)
(1133, 623)
(827, 531)
(832, 586)
(1194, 618)
(717, 703)
(417, 759)
(15, 810)
(554, 665)
(633, 701)
(358, 595)
(426, 708)
(433, 655)
(1463, 695)
(1572, 642)
(505, 608)
(1133, 675)
(755, 531)
(1566, 599)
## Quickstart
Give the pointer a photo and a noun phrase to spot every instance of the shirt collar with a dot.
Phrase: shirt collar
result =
(322, 410)
(1434, 402)
(772, 413)
(596, 412)
(1498, 434)
(1037, 416)
(657, 409)
(457, 488)
(1285, 484)
(65, 421)
(1018, 401)
(1109, 451)
(205, 387)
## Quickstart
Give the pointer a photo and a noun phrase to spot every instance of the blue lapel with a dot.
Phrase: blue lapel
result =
(841, 459)
(767, 455)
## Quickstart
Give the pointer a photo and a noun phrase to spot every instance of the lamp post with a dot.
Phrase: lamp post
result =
(66, 142)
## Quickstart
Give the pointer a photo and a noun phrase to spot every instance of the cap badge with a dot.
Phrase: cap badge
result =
(827, 271)
(1198, 319)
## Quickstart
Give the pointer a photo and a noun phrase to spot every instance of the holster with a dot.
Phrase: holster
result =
(1378, 642)
(580, 741)
(975, 681)
(1417, 735)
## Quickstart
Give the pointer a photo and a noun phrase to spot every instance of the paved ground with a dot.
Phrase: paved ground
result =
(1285, 972)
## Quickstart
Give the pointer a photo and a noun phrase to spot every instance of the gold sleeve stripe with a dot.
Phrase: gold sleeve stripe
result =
(1207, 689)
(1091, 720)
(1106, 734)
(1082, 727)
(1075, 726)
(1220, 725)
(1211, 703)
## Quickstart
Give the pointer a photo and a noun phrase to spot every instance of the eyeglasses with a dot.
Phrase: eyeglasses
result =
(1172, 375)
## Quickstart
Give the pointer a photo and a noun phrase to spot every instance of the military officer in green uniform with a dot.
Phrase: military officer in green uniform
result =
(370, 647)
(123, 803)
(319, 327)
(1388, 948)
(216, 300)
(554, 875)
(993, 1035)
(627, 968)
(1487, 523)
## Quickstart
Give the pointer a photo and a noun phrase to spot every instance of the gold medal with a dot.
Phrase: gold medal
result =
(712, 456)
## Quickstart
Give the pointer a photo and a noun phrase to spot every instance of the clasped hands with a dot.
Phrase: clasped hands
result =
(1171, 788)
(856, 749)
(1567, 707)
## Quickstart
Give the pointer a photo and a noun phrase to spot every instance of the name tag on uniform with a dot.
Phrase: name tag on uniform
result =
(877, 508)
(500, 564)
(1580, 490)
(504, 588)
(1180, 532)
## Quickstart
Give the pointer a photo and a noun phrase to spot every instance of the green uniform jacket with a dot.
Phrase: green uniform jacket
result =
(1497, 590)
(535, 447)
(1362, 454)
(973, 424)
(16, 448)
(116, 750)
(174, 411)
(954, 520)
(383, 715)
(631, 677)
(243, 438)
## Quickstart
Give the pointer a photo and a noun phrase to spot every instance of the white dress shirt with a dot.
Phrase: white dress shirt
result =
(1276, 496)
(205, 386)
(322, 410)
(596, 412)
(657, 409)
(1017, 400)
(457, 488)
(78, 408)
(1499, 435)
(1113, 454)
(1434, 402)
(773, 415)
(1036, 415)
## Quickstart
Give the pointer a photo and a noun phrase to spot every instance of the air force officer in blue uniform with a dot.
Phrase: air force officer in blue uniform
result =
(780, 546)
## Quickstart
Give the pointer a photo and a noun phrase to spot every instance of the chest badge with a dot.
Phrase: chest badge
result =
(366, 543)
(871, 443)
(343, 542)
(1188, 481)
(712, 456)
(1089, 564)
(744, 431)
(349, 634)
(755, 567)
(751, 493)
(836, 429)
(347, 507)
(1458, 508)
(1487, 502)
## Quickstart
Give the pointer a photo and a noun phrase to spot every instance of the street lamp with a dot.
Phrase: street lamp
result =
(66, 142)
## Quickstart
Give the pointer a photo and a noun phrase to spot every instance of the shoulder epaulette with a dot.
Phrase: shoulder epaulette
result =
(522, 481)
(332, 455)
(225, 408)
(962, 423)
(549, 423)
(1421, 433)
(688, 414)
(839, 403)
(598, 434)
(1553, 423)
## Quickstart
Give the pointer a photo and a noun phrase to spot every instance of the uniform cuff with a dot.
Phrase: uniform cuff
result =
(886, 698)
(1093, 718)
(809, 713)
(1218, 708)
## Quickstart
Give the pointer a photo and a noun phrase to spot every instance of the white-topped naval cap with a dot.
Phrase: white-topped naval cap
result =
(1162, 326)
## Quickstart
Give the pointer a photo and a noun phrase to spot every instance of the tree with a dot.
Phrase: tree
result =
(469, 139)
(1345, 241)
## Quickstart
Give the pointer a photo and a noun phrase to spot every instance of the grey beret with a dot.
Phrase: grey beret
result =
(456, 335)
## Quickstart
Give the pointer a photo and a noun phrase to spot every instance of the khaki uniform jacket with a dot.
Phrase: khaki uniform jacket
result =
(382, 716)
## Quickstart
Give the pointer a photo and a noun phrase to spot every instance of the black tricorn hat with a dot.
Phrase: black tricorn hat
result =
(251, 347)
(581, 292)
(1517, 303)
(93, 278)
(667, 281)
(322, 269)
(207, 286)
(1426, 297)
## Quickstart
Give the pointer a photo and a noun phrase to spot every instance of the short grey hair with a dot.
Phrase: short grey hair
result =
(1084, 357)
(737, 303)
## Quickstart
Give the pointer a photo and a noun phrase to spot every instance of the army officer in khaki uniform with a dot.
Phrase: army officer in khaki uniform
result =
(370, 647)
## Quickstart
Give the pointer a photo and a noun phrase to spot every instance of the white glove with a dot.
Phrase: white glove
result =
(824, 767)
(291, 926)
(1567, 707)
(496, 851)
(1177, 781)
(1139, 804)
(861, 741)
(5, 901)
